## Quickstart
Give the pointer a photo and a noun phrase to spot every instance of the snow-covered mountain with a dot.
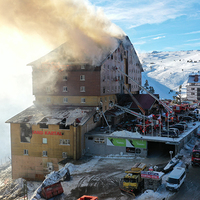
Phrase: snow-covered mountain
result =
(166, 71)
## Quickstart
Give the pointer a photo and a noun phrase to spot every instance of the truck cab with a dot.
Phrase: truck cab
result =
(195, 159)
(133, 180)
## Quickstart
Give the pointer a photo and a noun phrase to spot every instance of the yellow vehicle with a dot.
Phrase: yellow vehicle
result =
(133, 181)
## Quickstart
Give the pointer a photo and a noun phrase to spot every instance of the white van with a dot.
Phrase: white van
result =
(176, 179)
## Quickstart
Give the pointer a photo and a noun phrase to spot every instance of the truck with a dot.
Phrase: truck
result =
(133, 181)
(195, 159)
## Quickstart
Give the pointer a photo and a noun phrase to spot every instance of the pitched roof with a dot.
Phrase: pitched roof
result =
(63, 54)
(53, 115)
(145, 100)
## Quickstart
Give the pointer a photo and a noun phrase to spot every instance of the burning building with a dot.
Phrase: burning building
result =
(68, 88)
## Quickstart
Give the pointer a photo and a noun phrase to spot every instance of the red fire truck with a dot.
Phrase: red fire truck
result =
(195, 160)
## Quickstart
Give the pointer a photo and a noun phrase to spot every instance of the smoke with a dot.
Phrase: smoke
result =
(84, 28)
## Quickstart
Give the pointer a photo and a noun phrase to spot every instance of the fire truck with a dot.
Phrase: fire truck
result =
(195, 160)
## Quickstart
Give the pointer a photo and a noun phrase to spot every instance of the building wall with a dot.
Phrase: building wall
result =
(35, 163)
(98, 145)
(112, 80)
(193, 91)
(76, 100)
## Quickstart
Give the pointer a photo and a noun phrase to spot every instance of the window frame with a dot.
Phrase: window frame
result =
(64, 142)
(65, 78)
(26, 152)
(65, 89)
(64, 100)
(43, 141)
(82, 77)
(44, 153)
(83, 100)
(82, 88)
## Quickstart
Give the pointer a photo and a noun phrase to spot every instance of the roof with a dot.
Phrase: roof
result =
(194, 78)
(53, 115)
(177, 172)
(146, 101)
(64, 53)
(114, 112)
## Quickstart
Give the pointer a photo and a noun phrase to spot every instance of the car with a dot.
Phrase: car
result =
(176, 130)
(181, 127)
(170, 133)
(184, 123)
(188, 119)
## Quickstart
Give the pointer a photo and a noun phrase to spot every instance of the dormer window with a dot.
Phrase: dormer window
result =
(82, 66)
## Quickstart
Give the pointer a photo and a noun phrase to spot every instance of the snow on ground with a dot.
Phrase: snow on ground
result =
(166, 71)
(79, 170)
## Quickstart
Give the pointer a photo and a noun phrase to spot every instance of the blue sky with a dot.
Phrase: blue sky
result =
(156, 25)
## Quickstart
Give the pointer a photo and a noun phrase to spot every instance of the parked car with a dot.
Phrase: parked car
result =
(181, 127)
(188, 119)
(170, 133)
(184, 123)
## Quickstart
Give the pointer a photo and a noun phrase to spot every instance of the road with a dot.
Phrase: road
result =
(190, 190)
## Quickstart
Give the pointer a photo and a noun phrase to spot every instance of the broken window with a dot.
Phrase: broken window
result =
(43, 125)
(63, 126)
(25, 132)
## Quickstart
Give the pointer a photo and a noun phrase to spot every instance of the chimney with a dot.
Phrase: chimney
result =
(196, 78)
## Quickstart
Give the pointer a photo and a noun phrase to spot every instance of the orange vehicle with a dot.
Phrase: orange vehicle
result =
(86, 197)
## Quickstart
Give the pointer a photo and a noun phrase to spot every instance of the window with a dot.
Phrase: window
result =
(104, 89)
(48, 100)
(25, 132)
(25, 151)
(64, 78)
(44, 153)
(82, 77)
(192, 88)
(82, 66)
(82, 100)
(48, 89)
(44, 140)
(44, 126)
(64, 154)
(64, 88)
(65, 100)
(64, 142)
(99, 140)
(63, 126)
(105, 99)
(192, 93)
(82, 89)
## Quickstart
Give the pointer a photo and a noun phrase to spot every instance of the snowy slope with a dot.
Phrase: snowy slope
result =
(166, 71)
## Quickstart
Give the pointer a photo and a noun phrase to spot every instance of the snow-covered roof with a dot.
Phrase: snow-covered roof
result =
(194, 78)
(53, 115)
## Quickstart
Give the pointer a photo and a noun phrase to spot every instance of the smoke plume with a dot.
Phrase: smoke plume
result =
(83, 27)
